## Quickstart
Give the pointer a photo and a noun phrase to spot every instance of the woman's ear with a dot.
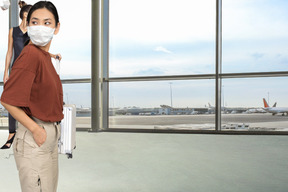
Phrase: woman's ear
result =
(57, 29)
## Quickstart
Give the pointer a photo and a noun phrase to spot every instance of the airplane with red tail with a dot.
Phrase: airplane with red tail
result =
(274, 110)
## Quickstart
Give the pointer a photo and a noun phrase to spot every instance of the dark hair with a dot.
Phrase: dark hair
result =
(24, 8)
(22, 4)
(44, 4)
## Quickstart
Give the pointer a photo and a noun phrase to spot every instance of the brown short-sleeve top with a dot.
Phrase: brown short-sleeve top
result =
(34, 85)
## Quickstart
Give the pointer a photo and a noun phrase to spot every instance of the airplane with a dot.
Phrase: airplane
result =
(274, 110)
(256, 110)
(259, 109)
(210, 107)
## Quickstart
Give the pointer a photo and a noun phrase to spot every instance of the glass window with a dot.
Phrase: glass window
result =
(79, 95)
(162, 105)
(244, 107)
(161, 37)
(255, 36)
(73, 41)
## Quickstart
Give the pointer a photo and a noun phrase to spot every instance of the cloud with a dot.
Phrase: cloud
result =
(162, 49)
(258, 55)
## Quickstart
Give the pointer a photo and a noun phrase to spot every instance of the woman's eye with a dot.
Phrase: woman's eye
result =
(47, 23)
(34, 23)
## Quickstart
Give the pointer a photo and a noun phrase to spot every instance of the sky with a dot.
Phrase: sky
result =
(168, 37)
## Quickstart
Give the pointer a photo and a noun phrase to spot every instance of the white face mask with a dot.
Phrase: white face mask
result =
(40, 35)
(4, 4)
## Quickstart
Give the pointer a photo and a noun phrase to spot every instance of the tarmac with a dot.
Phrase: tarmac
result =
(190, 122)
(254, 121)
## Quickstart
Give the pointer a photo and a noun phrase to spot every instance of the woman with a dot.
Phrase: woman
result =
(34, 97)
(17, 38)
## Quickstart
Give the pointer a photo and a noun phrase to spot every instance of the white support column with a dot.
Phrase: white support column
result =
(95, 65)
(13, 14)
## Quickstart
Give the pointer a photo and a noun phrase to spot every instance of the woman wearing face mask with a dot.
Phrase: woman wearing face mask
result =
(34, 97)
(17, 38)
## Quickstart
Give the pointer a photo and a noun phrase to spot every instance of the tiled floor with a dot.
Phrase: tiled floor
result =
(131, 162)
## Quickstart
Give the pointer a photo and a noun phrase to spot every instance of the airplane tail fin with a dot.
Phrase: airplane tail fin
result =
(265, 103)
(275, 104)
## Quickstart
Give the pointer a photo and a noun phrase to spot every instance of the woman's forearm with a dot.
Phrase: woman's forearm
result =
(21, 116)
(39, 133)
(8, 55)
(8, 61)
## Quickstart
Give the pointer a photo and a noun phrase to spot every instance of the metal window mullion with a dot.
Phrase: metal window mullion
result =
(200, 76)
(105, 65)
(218, 81)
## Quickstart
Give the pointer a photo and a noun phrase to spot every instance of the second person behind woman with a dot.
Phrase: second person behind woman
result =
(17, 38)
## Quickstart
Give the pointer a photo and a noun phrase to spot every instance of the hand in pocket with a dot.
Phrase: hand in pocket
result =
(40, 136)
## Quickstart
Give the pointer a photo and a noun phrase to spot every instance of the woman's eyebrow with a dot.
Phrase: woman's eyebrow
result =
(34, 18)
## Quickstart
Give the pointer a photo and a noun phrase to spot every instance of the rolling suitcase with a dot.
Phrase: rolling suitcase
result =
(67, 141)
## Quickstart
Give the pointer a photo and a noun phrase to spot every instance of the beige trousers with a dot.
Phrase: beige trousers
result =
(37, 166)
